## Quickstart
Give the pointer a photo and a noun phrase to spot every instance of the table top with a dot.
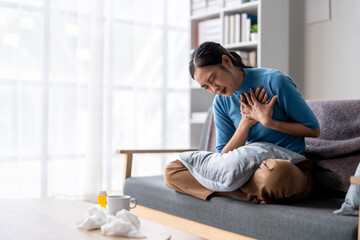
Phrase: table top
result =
(48, 218)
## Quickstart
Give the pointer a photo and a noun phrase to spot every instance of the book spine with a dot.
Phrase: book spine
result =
(232, 29)
(253, 58)
(248, 26)
(237, 27)
(243, 27)
(200, 33)
(244, 56)
(226, 29)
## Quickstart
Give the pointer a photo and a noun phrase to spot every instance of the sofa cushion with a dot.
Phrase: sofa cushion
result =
(309, 219)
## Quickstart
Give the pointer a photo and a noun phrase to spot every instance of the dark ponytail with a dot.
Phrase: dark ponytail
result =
(210, 53)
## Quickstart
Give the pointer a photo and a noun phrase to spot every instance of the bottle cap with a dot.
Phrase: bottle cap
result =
(101, 193)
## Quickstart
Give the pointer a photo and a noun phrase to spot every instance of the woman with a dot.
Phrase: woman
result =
(244, 115)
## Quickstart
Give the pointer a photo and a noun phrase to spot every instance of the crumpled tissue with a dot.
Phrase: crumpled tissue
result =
(124, 223)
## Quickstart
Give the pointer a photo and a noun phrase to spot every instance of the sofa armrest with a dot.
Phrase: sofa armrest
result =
(127, 151)
(129, 155)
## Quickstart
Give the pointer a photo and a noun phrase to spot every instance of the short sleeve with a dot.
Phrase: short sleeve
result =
(225, 128)
(291, 101)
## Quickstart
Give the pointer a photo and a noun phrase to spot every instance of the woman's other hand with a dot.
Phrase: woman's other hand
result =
(257, 108)
(261, 96)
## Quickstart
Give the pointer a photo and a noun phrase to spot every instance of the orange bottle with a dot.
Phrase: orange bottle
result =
(101, 196)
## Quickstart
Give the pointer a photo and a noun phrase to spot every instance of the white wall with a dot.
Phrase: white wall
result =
(325, 56)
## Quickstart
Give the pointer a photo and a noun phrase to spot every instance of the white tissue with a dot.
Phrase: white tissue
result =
(129, 217)
(121, 228)
(94, 219)
(124, 223)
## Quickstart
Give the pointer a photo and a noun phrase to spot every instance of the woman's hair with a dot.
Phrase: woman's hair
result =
(210, 53)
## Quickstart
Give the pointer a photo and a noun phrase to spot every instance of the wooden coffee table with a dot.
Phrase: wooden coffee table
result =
(57, 219)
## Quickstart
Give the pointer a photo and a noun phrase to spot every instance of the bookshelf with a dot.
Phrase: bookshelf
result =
(219, 20)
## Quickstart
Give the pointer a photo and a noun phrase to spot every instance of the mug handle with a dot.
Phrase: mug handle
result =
(133, 200)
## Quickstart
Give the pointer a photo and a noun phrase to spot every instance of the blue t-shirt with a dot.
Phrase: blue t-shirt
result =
(289, 107)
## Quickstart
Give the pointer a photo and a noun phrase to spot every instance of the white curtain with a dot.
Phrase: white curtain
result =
(80, 79)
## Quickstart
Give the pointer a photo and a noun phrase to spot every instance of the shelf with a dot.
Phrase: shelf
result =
(243, 45)
(249, 7)
(206, 15)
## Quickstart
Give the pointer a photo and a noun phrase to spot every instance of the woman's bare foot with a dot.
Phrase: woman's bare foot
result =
(263, 200)
(237, 195)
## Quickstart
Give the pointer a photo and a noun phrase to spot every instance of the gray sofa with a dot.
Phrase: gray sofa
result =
(308, 219)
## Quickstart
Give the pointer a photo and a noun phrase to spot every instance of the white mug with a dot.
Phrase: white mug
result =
(115, 203)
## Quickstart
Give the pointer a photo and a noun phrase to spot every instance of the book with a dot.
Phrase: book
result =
(226, 29)
(198, 7)
(243, 30)
(253, 58)
(213, 3)
(196, 4)
(248, 57)
(244, 56)
(203, 6)
(247, 29)
(237, 27)
(232, 29)
(209, 30)
(246, 21)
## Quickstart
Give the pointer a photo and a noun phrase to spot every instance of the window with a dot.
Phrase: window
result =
(80, 79)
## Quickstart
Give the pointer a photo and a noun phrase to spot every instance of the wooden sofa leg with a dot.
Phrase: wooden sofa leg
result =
(127, 167)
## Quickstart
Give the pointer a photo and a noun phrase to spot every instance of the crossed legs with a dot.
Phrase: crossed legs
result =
(275, 180)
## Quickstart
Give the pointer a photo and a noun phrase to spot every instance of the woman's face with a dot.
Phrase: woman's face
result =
(217, 79)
